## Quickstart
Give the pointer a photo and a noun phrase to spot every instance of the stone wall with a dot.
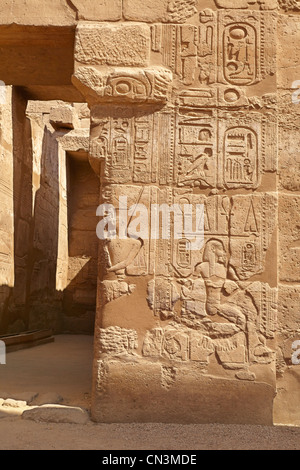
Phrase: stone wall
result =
(37, 218)
(198, 100)
(191, 102)
(7, 204)
(183, 111)
(286, 409)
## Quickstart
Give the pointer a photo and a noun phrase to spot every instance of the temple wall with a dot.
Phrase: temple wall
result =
(190, 102)
(37, 259)
(7, 203)
(286, 410)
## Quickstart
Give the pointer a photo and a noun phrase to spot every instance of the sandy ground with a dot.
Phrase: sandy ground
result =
(63, 367)
(42, 371)
(17, 434)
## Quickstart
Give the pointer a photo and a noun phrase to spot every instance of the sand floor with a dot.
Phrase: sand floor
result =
(41, 371)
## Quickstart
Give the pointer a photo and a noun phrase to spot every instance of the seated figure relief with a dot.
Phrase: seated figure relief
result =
(211, 312)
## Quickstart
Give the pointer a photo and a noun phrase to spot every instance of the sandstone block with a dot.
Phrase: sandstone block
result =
(121, 45)
(289, 235)
(103, 10)
(124, 85)
(64, 117)
(57, 414)
(264, 4)
(29, 12)
(47, 398)
(177, 11)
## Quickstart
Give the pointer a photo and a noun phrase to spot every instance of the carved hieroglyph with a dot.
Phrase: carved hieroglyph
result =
(177, 118)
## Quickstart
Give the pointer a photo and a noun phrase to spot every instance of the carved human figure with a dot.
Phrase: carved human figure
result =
(121, 253)
(213, 269)
(197, 172)
(193, 295)
(230, 340)
(237, 309)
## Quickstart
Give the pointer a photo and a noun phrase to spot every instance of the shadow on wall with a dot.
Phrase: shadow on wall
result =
(15, 315)
(79, 297)
(34, 302)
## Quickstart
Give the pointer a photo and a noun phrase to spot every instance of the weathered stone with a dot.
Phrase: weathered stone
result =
(10, 403)
(189, 106)
(103, 10)
(264, 4)
(51, 398)
(137, 86)
(190, 144)
(151, 11)
(26, 12)
(57, 414)
(6, 191)
(76, 141)
(119, 45)
(64, 117)
(27, 397)
(289, 220)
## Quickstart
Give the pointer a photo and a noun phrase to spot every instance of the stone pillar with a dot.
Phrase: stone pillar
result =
(183, 112)
(286, 404)
(7, 202)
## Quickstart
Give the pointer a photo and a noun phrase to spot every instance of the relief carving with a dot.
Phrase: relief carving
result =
(112, 44)
(253, 221)
(150, 85)
(198, 147)
(166, 11)
(234, 47)
(121, 254)
(239, 52)
(116, 341)
(214, 312)
(180, 10)
(112, 290)
(162, 295)
(179, 118)
(168, 377)
(264, 4)
(289, 5)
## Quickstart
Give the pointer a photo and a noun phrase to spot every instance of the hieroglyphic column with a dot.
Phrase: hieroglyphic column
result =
(183, 112)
